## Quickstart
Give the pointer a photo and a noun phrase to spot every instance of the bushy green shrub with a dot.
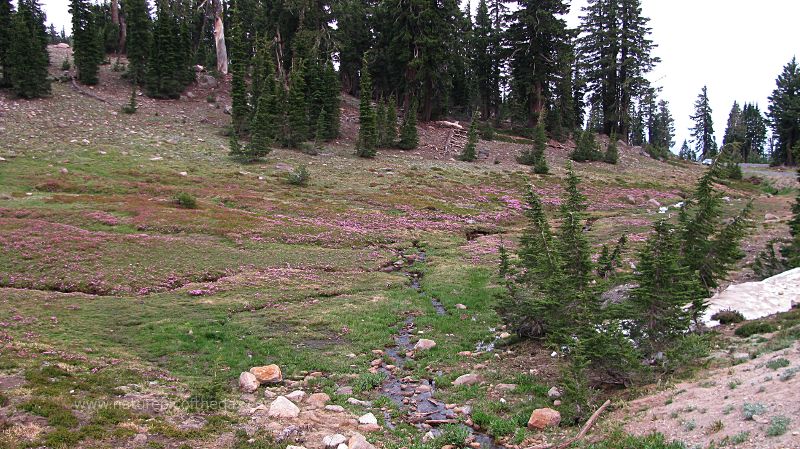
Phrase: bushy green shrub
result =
(778, 425)
(368, 381)
(728, 316)
(751, 409)
(753, 328)
(619, 440)
(185, 200)
(299, 176)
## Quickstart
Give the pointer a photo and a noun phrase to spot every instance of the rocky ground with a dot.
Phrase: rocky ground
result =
(129, 321)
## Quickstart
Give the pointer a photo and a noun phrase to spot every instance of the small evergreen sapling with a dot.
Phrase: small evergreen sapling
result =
(536, 156)
(470, 151)
(391, 123)
(367, 132)
(408, 132)
(612, 153)
(297, 112)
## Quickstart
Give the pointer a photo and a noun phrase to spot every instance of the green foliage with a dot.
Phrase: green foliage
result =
(728, 316)
(185, 200)
(65, 65)
(167, 69)
(778, 363)
(409, 139)
(298, 176)
(206, 397)
(586, 148)
(784, 113)
(297, 130)
(56, 414)
(367, 130)
(262, 128)
(770, 260)
(703, 129)
(620, 440)
(609, 261)
(753, 328)
(88, 50)
(778, 426)
(240, 59)
(751, 409)
(138, 41)
(470, 151)
(27, 56)
(390, 124)
(611, 155)
(535, 156)
(368, 381)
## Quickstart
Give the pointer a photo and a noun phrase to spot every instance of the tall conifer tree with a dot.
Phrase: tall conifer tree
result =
(6, 15)
(784, 113)
(27, 54)
(703, 129)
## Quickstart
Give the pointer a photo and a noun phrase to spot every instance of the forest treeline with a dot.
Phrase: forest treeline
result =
(514, 63)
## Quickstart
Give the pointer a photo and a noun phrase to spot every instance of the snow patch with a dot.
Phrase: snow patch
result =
(758, 299)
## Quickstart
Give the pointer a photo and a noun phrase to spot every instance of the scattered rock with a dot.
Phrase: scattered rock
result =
(369, 427)
(283, 408)
(771, 218)
(65, 45)
(295, 447)
(461, 307)
(296, 396)
(248, 382)
(64, 170)
(553, 393)
(369, 418)
(505, 387)
(140, 439)
(355, 401)
(334, 408)
(358, 441)
(344, 391)
(333, 441)
(424, 344)
(318, 400)
(270, 374)
(556, 403)
(542, 418)
(653, 202)
(207, 81)
(465, 353)
(467, 379)
(505, 335)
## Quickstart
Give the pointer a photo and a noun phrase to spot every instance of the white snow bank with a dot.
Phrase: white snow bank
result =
(758, 299)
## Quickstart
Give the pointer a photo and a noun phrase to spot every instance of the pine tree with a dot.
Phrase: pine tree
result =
(665, 287)
(408, 132)
(367, 132)
(137, 43)
(662, 128)
(261, 68)
(165, 75)
(686, 154)
(6, 15)
(240, 110)
(616, 55)
(391, 123)
(381, 124)
(536, 155)
(484, 59)
(332, 100)
(755, 133)
(537, 36)
(611, 155)
(734, 131)
(27, 54)
(574, 248)
(703, 130)
(262, 131)
(235, 149)
(586, 148)
(85, 43)
(784, 113)
(470, 151)
(792, 251)
(297, 107)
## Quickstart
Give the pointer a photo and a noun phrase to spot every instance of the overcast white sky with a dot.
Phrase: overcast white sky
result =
(736, 47)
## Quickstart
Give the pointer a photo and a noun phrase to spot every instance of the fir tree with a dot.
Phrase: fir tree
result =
(381, 124)
(367, 132)
(87, 51)
(332, 99)
(665, 287)
(262, 131)
(391, 123)
(734, 131)
(661, 128)
(6, 15)
(586, 148)
(297, 107)
(792, 252)
(616, 56)
(703, 130)
(164, 75)
(611, 155)
(573, 246)
(240, 110)
(470, 150)
(137, 43)
(536, 155)
(784, 113)
(235, 149)
(408, 131)
(686, 154)
(27, 55)
(755, 133)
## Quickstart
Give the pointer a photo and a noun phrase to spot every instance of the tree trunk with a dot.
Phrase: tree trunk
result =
(115, 12)
(219, 38)
(123, 35)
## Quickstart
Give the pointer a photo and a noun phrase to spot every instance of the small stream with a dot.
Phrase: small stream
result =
(416, 396)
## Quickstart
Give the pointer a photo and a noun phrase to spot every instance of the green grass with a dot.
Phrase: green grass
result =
(778, 426)
(57, 415)
(778, 363)
(753, 328)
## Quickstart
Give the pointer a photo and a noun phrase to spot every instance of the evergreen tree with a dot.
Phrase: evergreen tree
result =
(637, 137)
(354, 35)
(381, 124)
(535, 156)
(784, 113)
(87, 52)
(573, 246)
(662, 128)
(165, 75)
(297, 108)
(367, 132)
(6, 15)
(484, 59)
(686, 154)
(240, 110)
(391, 123)
(586, 148)
(755, 133)
(262, 130)
(703, 130)
(235, 149)
(27, 53)
(734, 131)
(137, 43)
(408, 131)
(665, 287)
(616, 55)
(331, 102)
(611, 155)
(537, 36)
(792, 252)
(470, 151)
(262, 67)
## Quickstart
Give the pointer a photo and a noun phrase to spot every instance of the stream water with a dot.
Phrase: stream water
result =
(416, 396)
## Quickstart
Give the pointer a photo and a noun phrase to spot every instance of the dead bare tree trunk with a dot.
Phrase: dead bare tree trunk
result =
(219, 38)
(115, 21)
